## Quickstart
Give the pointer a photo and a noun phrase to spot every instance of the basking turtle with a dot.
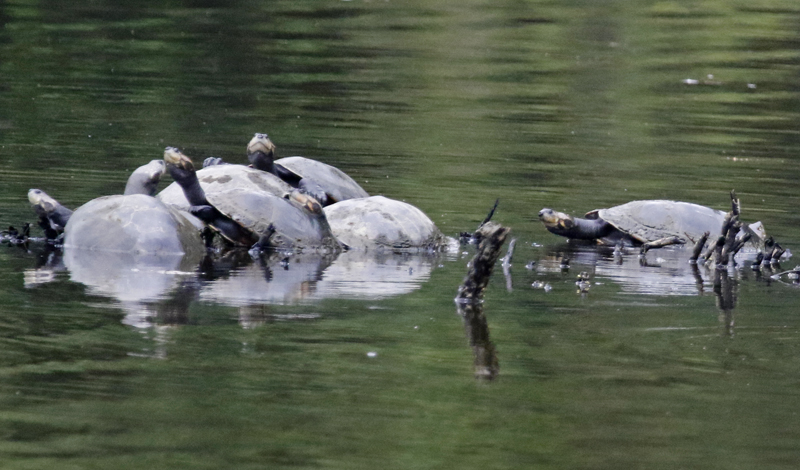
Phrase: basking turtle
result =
(252, 216)
(638, 222)
(221, 178)
(378, 222)
(145, 179)
(135, 222)
(53, 217)
(326, 183)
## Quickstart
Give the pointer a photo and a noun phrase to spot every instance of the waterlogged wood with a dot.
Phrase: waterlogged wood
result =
(730, 242)
(492, 237)
(470, 294)
(713, 247)
(698, 247)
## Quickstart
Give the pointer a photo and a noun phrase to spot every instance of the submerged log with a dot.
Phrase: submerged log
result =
(492, 237)
(470, 295)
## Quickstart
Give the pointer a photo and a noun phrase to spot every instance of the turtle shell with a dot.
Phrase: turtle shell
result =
(336, 183)
(647, 221)
(380, 222)
(295, 226)
(136, 223)
(220, 178)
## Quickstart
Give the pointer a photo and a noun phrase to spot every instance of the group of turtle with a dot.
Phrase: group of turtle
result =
(298, 203)
(292, 203)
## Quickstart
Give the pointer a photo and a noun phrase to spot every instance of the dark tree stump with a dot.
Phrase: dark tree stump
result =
(469, 301)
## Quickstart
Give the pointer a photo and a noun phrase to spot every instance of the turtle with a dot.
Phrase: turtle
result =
(324, 182)
(639, 222)
(53, 217)
(381, 223)
(220, 178)
(252, 217)
(134, 222)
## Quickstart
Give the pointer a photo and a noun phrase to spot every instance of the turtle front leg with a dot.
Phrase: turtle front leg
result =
(264, 241)
(314, 190)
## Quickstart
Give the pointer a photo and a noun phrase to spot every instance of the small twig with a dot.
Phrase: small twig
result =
(740, 244)
(736, 206)
(712, 248)
(510, 253)
(698, 247)
(661, 242)
(490, 215)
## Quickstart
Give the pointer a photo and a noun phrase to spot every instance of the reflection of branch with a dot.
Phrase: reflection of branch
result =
(477, 329)
(507, 264)
(470, 295)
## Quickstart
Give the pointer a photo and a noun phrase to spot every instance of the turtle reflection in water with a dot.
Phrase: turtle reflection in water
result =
(639, 222)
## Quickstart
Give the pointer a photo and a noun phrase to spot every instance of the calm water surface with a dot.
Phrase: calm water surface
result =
(352, 363)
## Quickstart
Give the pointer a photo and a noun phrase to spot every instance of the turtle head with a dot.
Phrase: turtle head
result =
(307, 202)
(568, 226)
(181, 169)
(42, 203)
(144, 180)
(176, 160)
(557, 222)
(260, 152)
(52, 215)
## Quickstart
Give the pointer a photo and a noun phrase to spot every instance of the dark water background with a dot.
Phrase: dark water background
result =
(572, 105)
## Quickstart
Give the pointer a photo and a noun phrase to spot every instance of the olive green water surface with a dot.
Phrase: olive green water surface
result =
(573, 105)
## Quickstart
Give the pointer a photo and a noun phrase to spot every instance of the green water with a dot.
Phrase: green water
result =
(448, 105)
